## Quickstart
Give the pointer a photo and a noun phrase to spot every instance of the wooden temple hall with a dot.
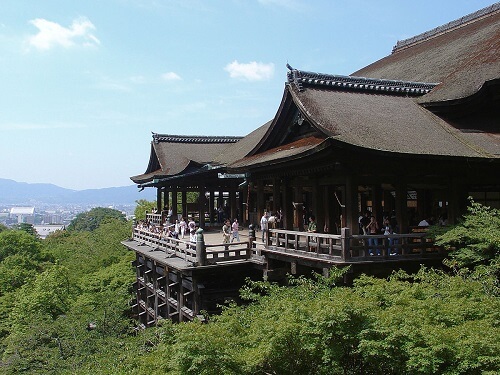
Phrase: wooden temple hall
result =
(406, 138)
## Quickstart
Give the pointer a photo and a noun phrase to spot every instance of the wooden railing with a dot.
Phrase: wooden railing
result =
(330, 247)
(312, 243)
(197, 253)
(156, 219)
(347, 247)
(170, 245)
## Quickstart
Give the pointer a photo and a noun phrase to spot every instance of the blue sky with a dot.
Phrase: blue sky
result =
(84, 83)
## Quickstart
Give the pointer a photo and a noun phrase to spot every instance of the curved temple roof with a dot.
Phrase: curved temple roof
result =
(177, 154)
(388, 112)
(462, 55)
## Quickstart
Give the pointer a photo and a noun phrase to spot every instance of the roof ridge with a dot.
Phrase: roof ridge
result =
(299, 78)
(194, 138)
(450, 26)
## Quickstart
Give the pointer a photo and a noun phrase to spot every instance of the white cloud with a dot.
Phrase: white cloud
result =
(252, 71)
(51, 34)
(171, 76)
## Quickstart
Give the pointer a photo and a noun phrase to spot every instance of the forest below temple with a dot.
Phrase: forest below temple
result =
(66, 309)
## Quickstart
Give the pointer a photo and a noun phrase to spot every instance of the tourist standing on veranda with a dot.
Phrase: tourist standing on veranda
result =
(263, 224)
(182, 227)
(226, 231)
(236, 231)
(373, 229)
(192, 230)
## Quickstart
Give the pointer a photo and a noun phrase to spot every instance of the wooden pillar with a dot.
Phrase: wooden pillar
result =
(276, 195)
(298, 208)
(328, 198)
(197, 305)
(211, 207)
(220, 199)
(336, 198)
(201, 206)
(167, 291)
(350, 211)
(249, 199)
(318, 205)
(244, 203)
(377, 202)
(260, 198)
(180, 297)
(184, 204)
(401, 206)
(174, 204)
(421, 199)
(232, 202)
(201, 253)
(159, 193)
(287, 205)
(388, 201)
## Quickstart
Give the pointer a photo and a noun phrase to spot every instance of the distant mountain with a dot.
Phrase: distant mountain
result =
(22, 193)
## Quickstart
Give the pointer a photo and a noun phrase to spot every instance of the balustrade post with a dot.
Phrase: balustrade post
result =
(345, 240)
(201, 251)
(268, 238)
(251, 240)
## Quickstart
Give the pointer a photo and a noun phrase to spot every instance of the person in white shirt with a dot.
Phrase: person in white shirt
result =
(263, 224)
(182, 227)
(192, 230)
(235, 230)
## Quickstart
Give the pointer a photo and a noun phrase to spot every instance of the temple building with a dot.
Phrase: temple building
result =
(409, 137)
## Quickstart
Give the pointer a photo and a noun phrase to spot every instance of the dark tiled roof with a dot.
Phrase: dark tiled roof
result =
(387, 123)
(462, 58)
(175, 154)
(402, 44)
(281, 153)
(239, 150)
(303, 79)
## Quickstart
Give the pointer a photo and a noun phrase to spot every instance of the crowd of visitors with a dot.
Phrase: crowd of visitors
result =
(230, 232)
(170, 230)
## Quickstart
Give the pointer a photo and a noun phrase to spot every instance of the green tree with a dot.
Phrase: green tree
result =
(142, 207)
(84, 252)
(422, 324)
(19, 242)
(47, 330)
(476, 239)
(28, 228)
(34, 341)
(89, 221)
(17, 269)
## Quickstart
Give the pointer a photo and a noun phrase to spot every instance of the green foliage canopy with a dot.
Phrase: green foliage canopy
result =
(428, 323)
(142, 206)
(476, 239)
(89, 221)
(19, 242)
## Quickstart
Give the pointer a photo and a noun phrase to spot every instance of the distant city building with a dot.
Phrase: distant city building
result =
(44, 230)
(52, 218)
(23, 214)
